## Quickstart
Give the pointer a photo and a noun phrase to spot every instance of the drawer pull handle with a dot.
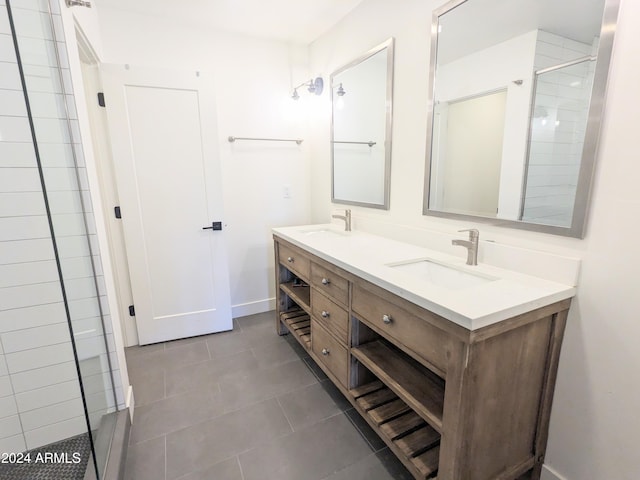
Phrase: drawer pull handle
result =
(386, 319)
(290, 259)
(325, 314)
(326, 281)
(325, 352)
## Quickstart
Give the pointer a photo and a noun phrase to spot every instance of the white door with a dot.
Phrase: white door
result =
(167, 167)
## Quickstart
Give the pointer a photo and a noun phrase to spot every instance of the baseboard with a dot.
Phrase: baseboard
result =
(130, 402)
(549, 474)
(251, 308)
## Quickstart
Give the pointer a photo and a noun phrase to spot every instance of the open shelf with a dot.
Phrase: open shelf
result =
(419, 388)
(400, 426)
(299, 324)
(299, 293)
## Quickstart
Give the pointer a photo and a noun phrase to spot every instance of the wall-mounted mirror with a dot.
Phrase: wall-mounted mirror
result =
(516, 96)
(361, 97)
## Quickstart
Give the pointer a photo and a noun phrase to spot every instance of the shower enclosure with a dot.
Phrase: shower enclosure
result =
(57, 360)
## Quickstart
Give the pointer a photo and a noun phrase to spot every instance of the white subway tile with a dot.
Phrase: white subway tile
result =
(57, 431)
(12, 103)
(7, 49)
(44, 377)
(3, 366)
(28, 273)
(60, 179)
(34, 338)
(41, 417)
(41, 397)
(35, 316)
(21, 204)
(47, 105)
(71, 106)
(32, 24)
(81, 288)
(63, 203)
(84, 308)
(70, 248)
(7, 408)
(38, 5)
(15, 444)
(5, 27)
(26, 251)
(100, 402)
(89, 347)
(34, 51)
(51, 130)
(42, 79)
(41, 357)
(15, 129)
(77, 267)
(5, 386)
(23, 228)
(14, 154)
(10, 76)
(10, 426)
(56, 155)
(68, 224)
(20, 180)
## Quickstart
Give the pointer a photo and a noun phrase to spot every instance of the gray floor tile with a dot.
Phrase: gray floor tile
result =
(308, 405)
(240, 391)
(336, 395)
(196, 448)
(176, 412)
(131, 352)
(275, 353)
(372, 438)
(258, 320)
(315, 369)
(227, 343)
(226, 470)
(146, 461)
(310, 454)
(147, 387)
(168, 358)
(185, 341)
(195, 376)
(378, 466)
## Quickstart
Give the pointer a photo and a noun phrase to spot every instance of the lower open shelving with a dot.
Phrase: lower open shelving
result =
(299, 323)
(400, 426)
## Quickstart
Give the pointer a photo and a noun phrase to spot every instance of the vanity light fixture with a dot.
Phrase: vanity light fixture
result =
(313, 86)
(341, 93)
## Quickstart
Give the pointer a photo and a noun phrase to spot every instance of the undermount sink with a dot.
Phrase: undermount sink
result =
(442, 275)
(322, 231)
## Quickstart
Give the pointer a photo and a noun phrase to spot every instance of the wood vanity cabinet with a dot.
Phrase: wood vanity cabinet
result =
(451, 403)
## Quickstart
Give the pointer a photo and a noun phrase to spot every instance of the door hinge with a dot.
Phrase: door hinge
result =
(117, 212)
(101, 99)
(132, 311)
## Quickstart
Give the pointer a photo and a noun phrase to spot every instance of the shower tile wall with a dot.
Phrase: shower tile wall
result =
(39, 391)
(558, 127)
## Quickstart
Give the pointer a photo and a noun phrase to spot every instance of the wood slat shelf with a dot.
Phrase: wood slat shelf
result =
(299, 324)
(400, 426)
(299, 294)
(420, 389)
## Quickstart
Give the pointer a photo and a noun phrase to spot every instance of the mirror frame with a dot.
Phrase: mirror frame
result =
(592, 132)
(389, 45)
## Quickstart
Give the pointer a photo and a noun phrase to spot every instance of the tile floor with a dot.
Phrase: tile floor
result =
(245, 405)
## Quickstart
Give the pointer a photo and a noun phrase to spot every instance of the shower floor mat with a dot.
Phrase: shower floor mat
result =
(63, 460)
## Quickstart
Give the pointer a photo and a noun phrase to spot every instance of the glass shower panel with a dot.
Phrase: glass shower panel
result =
(47, 81)
(558, 124)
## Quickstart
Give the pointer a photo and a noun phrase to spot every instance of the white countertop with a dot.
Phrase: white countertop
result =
(372, 257)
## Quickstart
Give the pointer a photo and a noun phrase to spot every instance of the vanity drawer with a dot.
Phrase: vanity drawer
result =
(329, 352)
(331, 315)
(295, 260)
(330, 283)
(390, 320)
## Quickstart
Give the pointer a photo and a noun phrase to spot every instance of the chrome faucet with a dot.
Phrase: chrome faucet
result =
(471, 245)
(347, 219)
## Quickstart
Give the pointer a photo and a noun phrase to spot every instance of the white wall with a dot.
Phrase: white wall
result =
(254, 80)
(594, 422)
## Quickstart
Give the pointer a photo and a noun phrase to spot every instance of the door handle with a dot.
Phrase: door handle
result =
(214, 226)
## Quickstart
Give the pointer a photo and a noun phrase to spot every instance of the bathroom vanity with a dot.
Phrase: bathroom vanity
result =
(453, 367)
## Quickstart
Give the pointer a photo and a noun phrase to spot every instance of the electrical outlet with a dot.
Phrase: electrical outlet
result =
(286, 191)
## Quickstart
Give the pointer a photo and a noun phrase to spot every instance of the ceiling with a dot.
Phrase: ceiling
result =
(298, 21)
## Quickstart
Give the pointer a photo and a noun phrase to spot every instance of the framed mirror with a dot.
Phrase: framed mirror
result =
(517, 89)
(361, 98)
